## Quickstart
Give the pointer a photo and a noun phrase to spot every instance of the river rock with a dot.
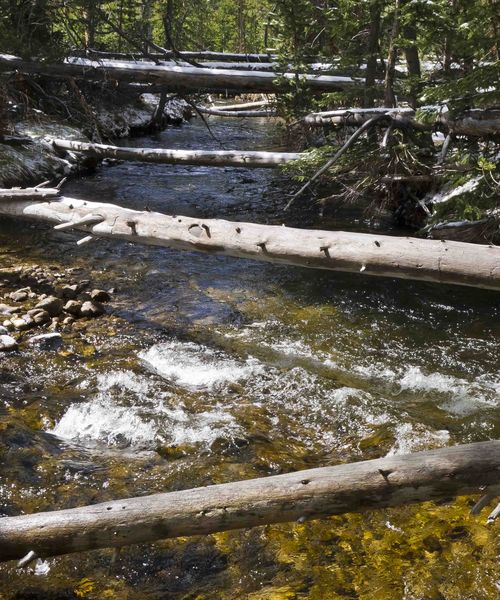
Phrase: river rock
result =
(19, 296)
(46, 341)
(73, 307)
(20, 324)
(8, 325)
(7, 343)
(91, 309)
(100, 296)
(69, 292)
(3, 330)
(5, 309)
(41, 317)
(52, 305)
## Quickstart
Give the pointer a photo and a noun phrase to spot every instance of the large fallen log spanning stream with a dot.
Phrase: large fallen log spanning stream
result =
(473, 122)
(214, 158)
(310, 494)
(387, 256)
(172, 77)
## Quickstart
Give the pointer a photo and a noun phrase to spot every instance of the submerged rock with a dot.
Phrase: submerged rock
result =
(46, 341)
(7, 343)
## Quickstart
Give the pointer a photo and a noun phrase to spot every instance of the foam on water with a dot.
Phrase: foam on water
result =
(192, 365)
(130, 409)
(412, 438)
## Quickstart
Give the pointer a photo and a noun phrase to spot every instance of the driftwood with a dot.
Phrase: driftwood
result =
(385, 256)
(176, 78)
(214, 158)
(310, 494)
(474, 122)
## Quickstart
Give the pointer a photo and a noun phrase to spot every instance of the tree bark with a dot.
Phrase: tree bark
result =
(309, 494)
(390, 72)
(378, 255)
(217, 158)
(177, 78)
(373, 52)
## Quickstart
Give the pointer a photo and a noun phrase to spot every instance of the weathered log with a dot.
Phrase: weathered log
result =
(474, 122)
(37, 193)
(195, 55)
(214, 158)
(310, 494)
(242, 105)
(176, 78)
(386, 256)
(216, 112)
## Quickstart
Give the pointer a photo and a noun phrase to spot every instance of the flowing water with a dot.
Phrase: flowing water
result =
(214, 369)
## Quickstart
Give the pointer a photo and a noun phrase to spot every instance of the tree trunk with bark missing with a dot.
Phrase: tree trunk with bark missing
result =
(385, 256)
(176, 78)
(474, 122)
(309, 494)
(213, 158)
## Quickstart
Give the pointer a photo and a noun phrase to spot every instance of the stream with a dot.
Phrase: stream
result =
(212, 369)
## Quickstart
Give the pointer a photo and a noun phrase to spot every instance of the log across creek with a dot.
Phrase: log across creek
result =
(310, 494)
(213, 158)
(174, 78)
(471, 122)
(386, 256)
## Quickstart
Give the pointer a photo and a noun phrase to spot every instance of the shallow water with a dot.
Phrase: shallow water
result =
(215, 369)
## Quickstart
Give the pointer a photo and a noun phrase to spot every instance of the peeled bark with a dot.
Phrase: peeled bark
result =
(378, 255)
(309, 494)
(213, 158)
(174, 77)
(474, 122)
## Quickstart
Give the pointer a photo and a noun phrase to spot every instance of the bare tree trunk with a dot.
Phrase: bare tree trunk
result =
(474, 122)
(373, 52)
(176, 78)
(413, 63)
(214, 158)
(310, 494)
(389, 97)
(378, 255)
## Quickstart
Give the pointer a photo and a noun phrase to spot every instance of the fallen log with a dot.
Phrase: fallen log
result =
(37, 193)
(473, 122)
(194, 55)
(386, 256)
(214, 158)
(309, 494)
(243, 105)
(216, 112)
(176, 78)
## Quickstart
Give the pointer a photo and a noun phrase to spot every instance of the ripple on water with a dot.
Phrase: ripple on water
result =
(131, 409)
(195, 366)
